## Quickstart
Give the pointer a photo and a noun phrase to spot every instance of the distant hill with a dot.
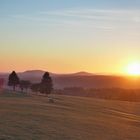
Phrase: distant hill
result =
(82, 73)
(35, 73)
(31, 73)
(96, 81)
(79, 79)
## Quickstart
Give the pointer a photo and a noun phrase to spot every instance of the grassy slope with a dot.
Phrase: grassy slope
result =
(69, 118)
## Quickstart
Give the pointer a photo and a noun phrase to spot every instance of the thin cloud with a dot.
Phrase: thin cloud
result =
(101, 19)
(85, 14)
(97, 14)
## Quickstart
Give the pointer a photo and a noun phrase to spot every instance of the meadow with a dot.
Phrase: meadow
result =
(32, 117)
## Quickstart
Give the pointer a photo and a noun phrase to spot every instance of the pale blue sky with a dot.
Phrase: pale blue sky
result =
(69, 35)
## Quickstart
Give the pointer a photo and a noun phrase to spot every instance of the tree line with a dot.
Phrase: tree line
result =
(45, 86)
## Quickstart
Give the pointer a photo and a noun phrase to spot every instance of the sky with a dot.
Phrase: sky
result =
(64, 36)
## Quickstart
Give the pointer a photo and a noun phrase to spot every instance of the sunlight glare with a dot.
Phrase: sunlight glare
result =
(134, 69)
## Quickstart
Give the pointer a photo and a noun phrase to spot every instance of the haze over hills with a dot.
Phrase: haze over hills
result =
(82, 73)
(38, 73)
(79, 79)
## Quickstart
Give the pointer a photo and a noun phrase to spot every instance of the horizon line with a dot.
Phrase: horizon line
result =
(67, 73)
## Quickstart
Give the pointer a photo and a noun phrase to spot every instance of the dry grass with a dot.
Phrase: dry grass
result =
(69, 118)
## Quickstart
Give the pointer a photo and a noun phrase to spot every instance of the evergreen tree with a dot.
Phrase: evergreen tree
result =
(13, 80)
(46, 85)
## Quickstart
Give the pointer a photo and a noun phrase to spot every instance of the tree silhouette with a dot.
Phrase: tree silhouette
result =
(35, 87)
(46, 85)
(13, 80)
(24, 84)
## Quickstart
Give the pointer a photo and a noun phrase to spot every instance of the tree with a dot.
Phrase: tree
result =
(46, 85)
(13, 80)
(1, 83)
(35, 87)
(24, 84)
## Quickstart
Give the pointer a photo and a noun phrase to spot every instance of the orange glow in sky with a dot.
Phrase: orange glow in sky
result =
(70, 36)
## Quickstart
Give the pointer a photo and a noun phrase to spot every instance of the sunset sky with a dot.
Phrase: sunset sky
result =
(64, 36)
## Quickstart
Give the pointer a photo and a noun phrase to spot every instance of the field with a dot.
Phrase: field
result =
(25, 117)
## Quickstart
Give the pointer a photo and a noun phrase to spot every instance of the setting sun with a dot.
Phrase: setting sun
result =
(133, 69)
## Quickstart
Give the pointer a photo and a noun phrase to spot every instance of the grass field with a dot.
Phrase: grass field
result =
(69, 118)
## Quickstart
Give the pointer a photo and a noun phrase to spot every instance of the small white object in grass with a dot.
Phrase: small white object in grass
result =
(51, 100)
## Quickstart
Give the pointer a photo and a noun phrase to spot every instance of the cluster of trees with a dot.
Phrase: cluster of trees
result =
(45, 86)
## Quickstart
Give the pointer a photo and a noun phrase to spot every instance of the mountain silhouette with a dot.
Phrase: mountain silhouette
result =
(79, 79)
